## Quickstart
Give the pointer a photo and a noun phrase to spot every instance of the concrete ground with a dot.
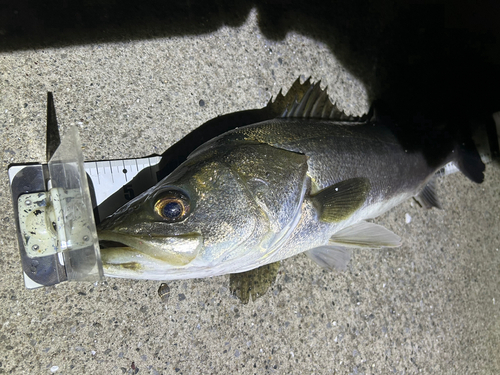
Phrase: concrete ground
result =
(431, 306)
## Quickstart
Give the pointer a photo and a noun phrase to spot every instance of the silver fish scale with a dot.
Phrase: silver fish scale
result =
(338, 151)
(264, 169)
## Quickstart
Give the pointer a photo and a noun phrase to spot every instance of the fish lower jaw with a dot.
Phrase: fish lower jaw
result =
(166, 250)
(131, 263)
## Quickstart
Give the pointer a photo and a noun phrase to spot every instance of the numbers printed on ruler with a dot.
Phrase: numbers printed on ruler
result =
(116, 175)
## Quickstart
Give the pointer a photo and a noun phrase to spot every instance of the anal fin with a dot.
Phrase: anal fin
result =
(428, 197)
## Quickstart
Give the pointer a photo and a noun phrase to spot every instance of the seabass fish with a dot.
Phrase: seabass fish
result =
(305, 181)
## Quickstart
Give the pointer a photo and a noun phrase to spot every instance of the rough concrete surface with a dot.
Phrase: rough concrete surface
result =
(431, 306)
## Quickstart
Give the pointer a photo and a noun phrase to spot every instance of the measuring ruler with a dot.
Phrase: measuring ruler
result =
(57, 206)
(119, 179)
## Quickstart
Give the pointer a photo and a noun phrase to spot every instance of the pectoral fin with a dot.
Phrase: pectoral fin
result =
(338, 202)
(365, 234)
(330, 257)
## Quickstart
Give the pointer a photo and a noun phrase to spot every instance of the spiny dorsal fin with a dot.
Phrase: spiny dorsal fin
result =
(308, 100)
(281, 102)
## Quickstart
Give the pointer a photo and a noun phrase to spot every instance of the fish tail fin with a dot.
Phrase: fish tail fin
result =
(468, 161)
(474, 144)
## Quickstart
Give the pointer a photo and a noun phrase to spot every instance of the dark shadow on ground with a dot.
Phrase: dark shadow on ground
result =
(433, 57)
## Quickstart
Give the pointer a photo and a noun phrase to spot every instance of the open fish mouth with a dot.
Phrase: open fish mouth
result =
(121, 260)
(124, 251)
(111, 244)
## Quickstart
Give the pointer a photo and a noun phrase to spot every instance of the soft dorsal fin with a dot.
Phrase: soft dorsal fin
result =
(308, 100)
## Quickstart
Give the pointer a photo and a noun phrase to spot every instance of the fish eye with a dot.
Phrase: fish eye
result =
(172, 206)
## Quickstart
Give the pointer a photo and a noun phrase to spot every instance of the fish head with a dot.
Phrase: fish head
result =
(210, 211)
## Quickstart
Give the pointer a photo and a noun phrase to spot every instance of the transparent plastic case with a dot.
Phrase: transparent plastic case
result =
(69, 211)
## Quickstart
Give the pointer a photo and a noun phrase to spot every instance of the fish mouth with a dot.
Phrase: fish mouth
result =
(110, 244)
(125, 255)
